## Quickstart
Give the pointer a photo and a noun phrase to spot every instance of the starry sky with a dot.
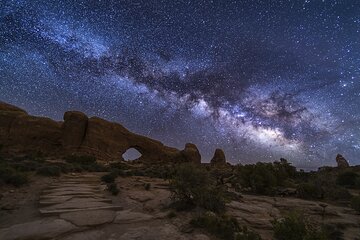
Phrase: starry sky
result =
(259, 79)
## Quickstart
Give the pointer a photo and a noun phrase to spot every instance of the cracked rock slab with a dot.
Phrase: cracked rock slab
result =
(127, 216)
(46, 228)
(164, 232)
(89, 218)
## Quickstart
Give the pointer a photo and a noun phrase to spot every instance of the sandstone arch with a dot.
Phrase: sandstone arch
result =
(79, 134)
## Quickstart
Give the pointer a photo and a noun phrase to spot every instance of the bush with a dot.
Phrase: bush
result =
(12, 176)
(171, 214)
(80, 159)
(108, 178)
(336, 193)
(192, 185)
(84, 162)
(347, 178)
(49, 171)
(113, 188)
(355, 203)
(296, 227)
(308, 191)
(223, 227)
(263, 178)
(147, 186)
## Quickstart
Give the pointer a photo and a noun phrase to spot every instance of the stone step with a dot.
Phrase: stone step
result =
(60, 211)
(72, 185)
(47, 191)
(78, 203)
(73, 193)
(80, 182)
(81, 178)
(55, 201)
(67, 197)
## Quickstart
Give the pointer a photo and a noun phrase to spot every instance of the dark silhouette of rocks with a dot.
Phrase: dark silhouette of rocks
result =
(218, 158)
(341, 161)
(79, 134)
(74, 129)
(190, 154)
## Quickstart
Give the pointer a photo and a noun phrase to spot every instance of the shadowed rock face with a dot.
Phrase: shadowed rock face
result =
(78, 134)
(219, 157)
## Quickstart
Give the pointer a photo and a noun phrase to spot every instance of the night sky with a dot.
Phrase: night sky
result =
(259, 79)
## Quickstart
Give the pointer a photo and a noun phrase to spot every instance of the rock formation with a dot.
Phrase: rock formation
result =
(190, 154)
(218, 158)
(78, 134)
(341, 161)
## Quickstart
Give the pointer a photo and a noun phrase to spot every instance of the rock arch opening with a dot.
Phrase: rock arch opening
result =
(131, 154)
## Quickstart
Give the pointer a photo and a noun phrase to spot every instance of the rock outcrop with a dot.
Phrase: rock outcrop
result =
(341, 161)
(190, 153)
(78, 134)
(74, 129)
(218, 158)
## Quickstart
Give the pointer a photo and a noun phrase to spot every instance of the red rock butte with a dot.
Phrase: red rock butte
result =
(21, 133)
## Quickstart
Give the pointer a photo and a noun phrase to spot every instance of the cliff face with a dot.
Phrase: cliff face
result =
(77, 134)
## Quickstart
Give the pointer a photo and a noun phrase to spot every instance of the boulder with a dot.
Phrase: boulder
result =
(218, 158)
(8, 114)
(74, 129)
(341, 161)
(190, 154)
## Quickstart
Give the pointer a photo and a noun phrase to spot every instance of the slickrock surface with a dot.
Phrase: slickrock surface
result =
(41, 229)
(78, 207)
(79, 197)
(257, 212)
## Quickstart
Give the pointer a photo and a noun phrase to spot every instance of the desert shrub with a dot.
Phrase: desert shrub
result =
(49, 171)
(109, 178)
(113, 188)
(171, 214)
(118, 165)
(193, 186)
(264, 178)
(283, 171)
(94, 167)
(308, 191)
(336, 193)
(296, 227)
(355, 203)
(72, 168)
(260, 177)
(84, 163)
(164, 171)
(347, 178)
(245, 234)
(9, 175)
(80, 159)
(26, 166)
(223, 227)
(147, 186)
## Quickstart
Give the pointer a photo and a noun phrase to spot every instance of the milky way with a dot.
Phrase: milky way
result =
(259, 79)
